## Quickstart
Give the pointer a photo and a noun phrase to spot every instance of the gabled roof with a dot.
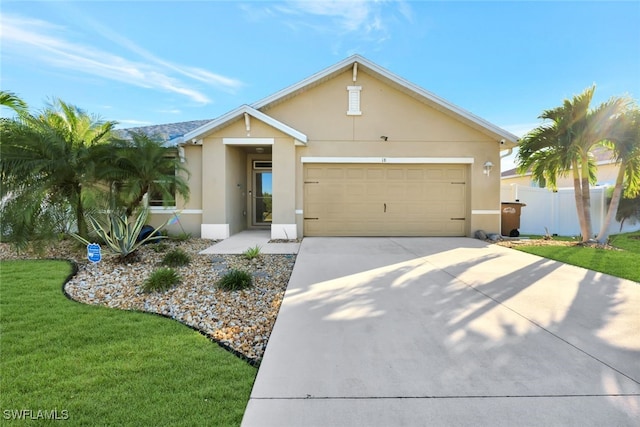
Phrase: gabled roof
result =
(510, 140)
(398, 82)
(234, 114)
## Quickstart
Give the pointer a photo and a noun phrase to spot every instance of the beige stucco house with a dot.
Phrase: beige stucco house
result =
(353, 150)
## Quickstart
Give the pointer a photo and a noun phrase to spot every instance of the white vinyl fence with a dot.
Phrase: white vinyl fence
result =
(557, 210)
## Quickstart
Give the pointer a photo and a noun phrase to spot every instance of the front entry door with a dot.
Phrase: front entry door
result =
(262, 198)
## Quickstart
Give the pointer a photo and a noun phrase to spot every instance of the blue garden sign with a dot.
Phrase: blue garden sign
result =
(93, 252)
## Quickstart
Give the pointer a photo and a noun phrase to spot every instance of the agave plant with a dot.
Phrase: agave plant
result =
(119, 234)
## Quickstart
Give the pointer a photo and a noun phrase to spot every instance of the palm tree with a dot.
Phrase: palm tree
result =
(624, 142)
(563, 146)
(11, 100)
(48, 159)
(143, 166)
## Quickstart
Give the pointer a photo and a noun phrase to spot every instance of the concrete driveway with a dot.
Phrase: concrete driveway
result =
(447, 331)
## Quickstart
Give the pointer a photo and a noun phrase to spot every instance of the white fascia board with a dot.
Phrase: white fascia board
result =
(390, 160)
(198, 132)
(344, 64)
(234, 114)
(299, 136)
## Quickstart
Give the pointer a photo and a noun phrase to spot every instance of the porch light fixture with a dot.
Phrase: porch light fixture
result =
(259, 150)
(486, 169)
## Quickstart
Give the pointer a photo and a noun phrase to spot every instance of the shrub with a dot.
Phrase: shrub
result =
(252, 253)
(235, 280)
(181, 237)
(160, 247)
(118, 234)
(176, 258)
(161, 279)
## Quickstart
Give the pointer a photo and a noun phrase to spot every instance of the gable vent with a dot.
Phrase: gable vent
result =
(354, 100)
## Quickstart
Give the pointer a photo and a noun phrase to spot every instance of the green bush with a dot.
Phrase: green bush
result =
(159, 247)
(182, 237)
(235, 280)
(118, 233)
(161, 279)
(252, 253)
(176, 258)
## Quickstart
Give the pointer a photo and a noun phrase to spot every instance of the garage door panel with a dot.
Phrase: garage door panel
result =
(385, 200)
(375, 173)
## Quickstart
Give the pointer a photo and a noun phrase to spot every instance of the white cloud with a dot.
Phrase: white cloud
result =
(39, 40)
(367, 18)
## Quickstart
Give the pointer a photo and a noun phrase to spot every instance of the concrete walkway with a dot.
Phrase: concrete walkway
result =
(240, 242)
(447, 331)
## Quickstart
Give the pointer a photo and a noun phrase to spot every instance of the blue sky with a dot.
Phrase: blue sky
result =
(153, 62)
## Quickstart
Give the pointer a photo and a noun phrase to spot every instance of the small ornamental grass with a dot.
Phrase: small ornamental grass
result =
(235, 280)
(161, 279)
(176, 258)
(252, 253)
(160, 247)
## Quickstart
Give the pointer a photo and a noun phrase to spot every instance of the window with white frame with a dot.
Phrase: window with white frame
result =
(156, 197)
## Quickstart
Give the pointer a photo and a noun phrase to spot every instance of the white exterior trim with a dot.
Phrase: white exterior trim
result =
(284, 231)
(172, 210)
(485, 212)
(391, 160)
(214, 231)
(354, 100)
(248, 141)
(430, 160)
(225, 119)
(424, 95)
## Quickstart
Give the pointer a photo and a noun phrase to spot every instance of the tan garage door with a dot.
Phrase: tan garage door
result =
(384, 200)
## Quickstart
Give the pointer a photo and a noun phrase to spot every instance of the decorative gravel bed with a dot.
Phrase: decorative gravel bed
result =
(239, 320)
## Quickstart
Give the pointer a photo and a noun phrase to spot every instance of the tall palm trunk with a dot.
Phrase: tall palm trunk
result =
(82, 224)
(603, 234)
(577, 191)
(587, 231)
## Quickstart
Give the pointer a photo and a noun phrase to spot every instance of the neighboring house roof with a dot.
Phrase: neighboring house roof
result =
(233, 115)
(167, 132)
(602, 155)
(510, 140)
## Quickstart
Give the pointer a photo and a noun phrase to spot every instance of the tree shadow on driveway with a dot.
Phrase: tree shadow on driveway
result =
(451, 318)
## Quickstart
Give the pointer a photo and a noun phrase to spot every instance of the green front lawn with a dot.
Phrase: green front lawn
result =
(623, 263)
(105, 366)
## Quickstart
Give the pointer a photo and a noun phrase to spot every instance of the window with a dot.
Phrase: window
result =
(354, 100)
(156, 196)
